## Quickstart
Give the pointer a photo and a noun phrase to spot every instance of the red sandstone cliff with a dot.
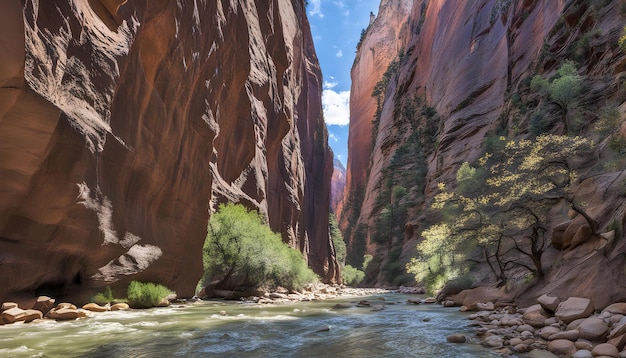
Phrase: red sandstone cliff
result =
(338, 184)
(461, 64)
(122, 123)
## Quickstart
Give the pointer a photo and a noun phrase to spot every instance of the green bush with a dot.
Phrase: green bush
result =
(241, 252)
(146, 294)
(103, 298)
(352, 276)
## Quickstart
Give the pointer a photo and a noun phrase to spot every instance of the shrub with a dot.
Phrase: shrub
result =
(352, 276)
(240, 251)
(103, 298)
(146, 294)
(622, 39)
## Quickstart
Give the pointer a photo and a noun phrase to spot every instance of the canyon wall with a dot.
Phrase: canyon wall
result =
(123, 124)
(458, 80)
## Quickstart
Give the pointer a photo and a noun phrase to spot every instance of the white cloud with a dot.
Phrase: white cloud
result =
(339, 53)
(333, 137)
(339, 4)
(330, 84)
(316, 8)
(336, 107)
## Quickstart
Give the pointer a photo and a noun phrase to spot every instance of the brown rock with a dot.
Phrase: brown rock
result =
(94, 307)
(64, 314)
(120, 306)
(619, 342)
(562, 346)
(456, 338)
(31, 315)
(13, 315)
(8, 305)
(616, 308)
(534, 318)
(569, 335)
(605, 349)
(574, 308)
(547, 332)
(66, 305)
(44, 304)
(593, 329)
(548, 303)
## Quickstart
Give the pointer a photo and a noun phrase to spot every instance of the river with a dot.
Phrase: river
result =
(303, 329)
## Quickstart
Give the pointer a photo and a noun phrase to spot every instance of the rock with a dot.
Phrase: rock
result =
(562, 346)
(66, 305)
(376, 308)
(493, 342)
(521, 348)
(619, 342)
(616, 308)
(487, 306)
(8, 305)
(546, 332)
(44, 304)
(574, 308)
(63, 314)
(583, 344)
(515, 341)
(31, 315)
(448, 303)
(583, 353)
(534, 318)
(13, 314)
(94, 307)
(413, 302)
(429, 300)
(605, 349)
(539, 353)
(525, 327)
(569, 335)
(120, 306)
(574, 324)
(593, 329)
(456, 338)
(342, 306)
(548, 303)
(323, 329)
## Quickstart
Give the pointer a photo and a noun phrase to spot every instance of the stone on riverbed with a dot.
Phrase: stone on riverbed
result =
(548, 303)
(593, 329)
(562, 347)
(605, 349)
(120, 306)
(8, 305)
(456, 338)
(94, 307)
(574, 308)
(17, 314)
(44, 304)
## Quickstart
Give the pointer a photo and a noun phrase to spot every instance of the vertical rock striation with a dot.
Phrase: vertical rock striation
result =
(457, 68)
(123, 123)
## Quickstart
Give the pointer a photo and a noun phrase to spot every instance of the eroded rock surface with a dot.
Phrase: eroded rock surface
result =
(123, 123)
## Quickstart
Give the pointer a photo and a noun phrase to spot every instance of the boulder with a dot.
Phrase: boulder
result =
(31, 315)
(66, 305)
(8, 305)
(593, 329)
(430, 300)
(574, 308)
(534, 318)
(120, 306)
(562, 347)
(606, 350)
(548, 303)
(569, 335)
(13, 315)
(63, 314)
(486, 306)
(521, 348)
(583, 353)
(616, 308)
(546, 332)
(494, 342)
(44, 304)
(583, 344)
(582, 235)
(94, 307)
(456, 338)
(619, 342)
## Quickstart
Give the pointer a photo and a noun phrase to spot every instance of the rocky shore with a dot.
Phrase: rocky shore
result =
(569, 328)
(46, 307)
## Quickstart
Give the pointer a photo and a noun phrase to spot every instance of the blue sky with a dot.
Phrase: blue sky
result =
(336, 26)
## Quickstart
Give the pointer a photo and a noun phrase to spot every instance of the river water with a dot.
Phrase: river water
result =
(303, 329)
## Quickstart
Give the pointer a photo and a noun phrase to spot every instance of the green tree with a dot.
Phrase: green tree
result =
(622, 40)
(337, 238)
(240, 251)
(504, 217)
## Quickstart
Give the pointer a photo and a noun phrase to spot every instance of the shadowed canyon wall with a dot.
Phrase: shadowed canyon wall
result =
(124, 123)
(455, 73)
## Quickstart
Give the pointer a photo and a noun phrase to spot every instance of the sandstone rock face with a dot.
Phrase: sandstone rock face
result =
(574, 308)
(124, 123)
(338, 184)
(460, 65)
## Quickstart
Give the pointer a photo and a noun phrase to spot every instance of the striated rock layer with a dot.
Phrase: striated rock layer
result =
(338, 184)
(454, 84)
(123, 123)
